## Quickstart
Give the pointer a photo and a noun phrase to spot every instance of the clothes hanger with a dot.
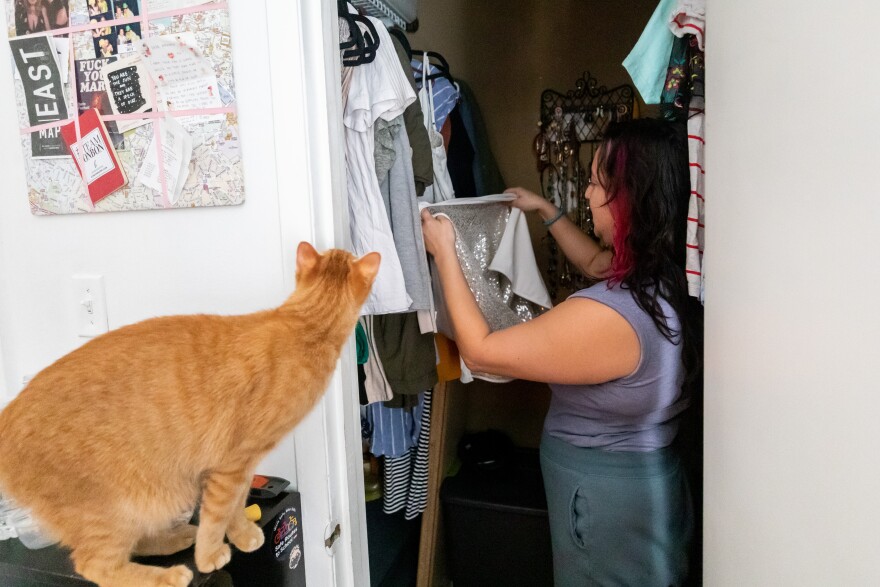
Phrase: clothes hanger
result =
(401, 36)
(442, 67)
(363, 45)
(434, 55)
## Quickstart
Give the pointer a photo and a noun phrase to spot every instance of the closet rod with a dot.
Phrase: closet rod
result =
(383, 10)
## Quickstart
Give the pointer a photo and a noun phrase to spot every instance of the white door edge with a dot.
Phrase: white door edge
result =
(329, 477)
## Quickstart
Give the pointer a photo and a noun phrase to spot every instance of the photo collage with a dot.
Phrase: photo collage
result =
(39, 16)
(114, 40)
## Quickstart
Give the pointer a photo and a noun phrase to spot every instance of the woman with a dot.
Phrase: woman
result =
(105, 47)
(130, 35)
(57, 10)
(31, 17)
(615, 355)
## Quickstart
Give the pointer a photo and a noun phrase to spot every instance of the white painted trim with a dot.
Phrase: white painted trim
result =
(326, 147)
(306, 59)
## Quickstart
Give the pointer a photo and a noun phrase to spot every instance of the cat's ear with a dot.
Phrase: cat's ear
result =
(306, 257)
(368, 265)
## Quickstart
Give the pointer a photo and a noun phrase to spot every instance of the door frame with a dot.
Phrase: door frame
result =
(305, 60)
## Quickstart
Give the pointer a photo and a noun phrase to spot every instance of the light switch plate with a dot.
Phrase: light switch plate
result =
(91, 305)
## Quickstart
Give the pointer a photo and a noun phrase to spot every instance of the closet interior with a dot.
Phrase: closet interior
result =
(509, 94)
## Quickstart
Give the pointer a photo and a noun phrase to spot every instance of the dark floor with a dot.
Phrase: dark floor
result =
(394, 547)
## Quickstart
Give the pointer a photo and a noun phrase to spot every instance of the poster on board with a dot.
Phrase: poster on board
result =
(92, 93)
(43, 85)
(99, 62)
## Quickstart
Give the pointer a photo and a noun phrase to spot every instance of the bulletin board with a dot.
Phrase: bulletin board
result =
(158, 72)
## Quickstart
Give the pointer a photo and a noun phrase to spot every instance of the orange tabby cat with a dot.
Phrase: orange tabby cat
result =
(111, 443)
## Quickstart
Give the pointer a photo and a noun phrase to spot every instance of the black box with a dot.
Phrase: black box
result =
(280, 562)
(497, 529)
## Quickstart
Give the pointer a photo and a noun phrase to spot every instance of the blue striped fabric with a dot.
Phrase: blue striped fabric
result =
(446, 95)
(406, 477)
(394, 430)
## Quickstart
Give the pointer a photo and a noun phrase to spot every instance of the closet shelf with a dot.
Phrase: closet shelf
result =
(401, 13)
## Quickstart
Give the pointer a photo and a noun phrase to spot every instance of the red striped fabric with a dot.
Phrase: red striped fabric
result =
(687, 25)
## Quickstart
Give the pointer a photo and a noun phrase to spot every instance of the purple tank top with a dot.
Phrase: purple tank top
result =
(634, 413)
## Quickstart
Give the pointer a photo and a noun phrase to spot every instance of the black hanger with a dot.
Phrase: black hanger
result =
(440, 73)
(433, 55)
(361, 47)
(442, 67)
(401, 36)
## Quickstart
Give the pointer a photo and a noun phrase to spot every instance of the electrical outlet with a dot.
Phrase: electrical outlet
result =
(91, 305)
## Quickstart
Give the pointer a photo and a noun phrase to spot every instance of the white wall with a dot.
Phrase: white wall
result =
(792, 474)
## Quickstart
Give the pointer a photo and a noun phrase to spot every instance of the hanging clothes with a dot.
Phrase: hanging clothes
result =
(384, 155)
(460, 157)
(444, 94)
(422, 162)
(689, 18)
(487, 176)
(397, 187)
(442, 189)
(347, 72)
(696, 229)
(684, 77)
(448, 359)
(361, 344)
(408, 356)
(406, 477)
(393, 432)
(649, 58)
(687, 22)
(378, 89)
(676, 97)
(376, 386)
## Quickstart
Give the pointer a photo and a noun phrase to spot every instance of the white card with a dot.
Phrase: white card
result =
(177, 150)
(184, 77)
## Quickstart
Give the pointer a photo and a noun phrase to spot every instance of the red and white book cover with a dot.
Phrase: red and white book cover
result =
(94, 155)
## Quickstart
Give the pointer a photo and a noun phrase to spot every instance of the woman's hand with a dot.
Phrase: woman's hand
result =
(439, 234)
(528, 201)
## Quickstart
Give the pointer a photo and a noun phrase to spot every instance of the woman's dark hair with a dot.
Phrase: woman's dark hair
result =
(643, 166)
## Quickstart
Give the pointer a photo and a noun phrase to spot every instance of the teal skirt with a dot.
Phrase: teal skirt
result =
(616, 518)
